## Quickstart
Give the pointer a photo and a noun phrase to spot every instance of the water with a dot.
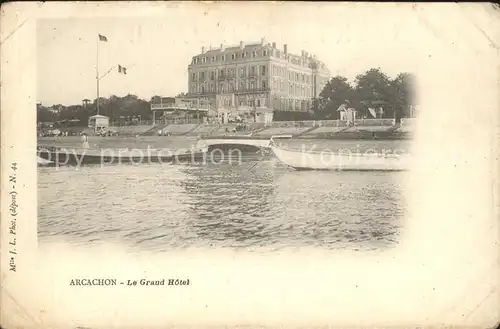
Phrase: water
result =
(258, 204)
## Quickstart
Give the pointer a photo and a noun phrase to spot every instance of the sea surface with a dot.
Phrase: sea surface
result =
(253, 204)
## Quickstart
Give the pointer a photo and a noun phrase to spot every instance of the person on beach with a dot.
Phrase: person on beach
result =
(350, 116)
(85, 141)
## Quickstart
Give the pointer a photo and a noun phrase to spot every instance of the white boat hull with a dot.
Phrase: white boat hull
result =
(341, 161)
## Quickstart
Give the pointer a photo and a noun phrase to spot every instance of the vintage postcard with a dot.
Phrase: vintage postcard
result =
(257, 164)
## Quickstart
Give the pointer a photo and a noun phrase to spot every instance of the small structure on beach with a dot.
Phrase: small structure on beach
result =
(98, 121)
(190, 108)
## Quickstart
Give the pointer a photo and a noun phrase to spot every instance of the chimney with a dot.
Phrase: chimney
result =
(202, 50)
(221, 47)
(285, 49)
(274, 45)
(263, 41)
(242, 45)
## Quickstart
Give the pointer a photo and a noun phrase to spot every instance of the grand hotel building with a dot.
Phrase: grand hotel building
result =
(256, 75)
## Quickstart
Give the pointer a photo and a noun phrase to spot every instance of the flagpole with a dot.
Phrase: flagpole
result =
(97, 74)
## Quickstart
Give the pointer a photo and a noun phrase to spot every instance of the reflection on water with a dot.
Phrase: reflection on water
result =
(253, 205)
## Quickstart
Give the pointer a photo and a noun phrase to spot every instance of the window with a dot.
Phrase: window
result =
(221, 87)
(264, 53)
(242, 72)
(212, 87)
(263, 70)
(258, 103)
(264, 84)
(243, 55)
(242, 85)
(221, 73)
(202, 76)
(212, 75)
(202, 89)
(193, 76)
(252, 71)
(203, 60)
(252, 85)
(233, 56)
(254, 54)
(223, 57)
(231, 87)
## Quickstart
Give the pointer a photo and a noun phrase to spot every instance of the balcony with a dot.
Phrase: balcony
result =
(199, 93)
(233, 91)
(252, 90)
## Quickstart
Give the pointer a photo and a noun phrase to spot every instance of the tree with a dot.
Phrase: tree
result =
(403, 93)
(43, 114)
(335, 92)
(373, 88)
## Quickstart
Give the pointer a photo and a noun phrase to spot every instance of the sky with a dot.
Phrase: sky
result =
(157, 47)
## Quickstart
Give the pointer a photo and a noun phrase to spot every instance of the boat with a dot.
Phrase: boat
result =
(61, 156)
(233, 142)
(325, 160)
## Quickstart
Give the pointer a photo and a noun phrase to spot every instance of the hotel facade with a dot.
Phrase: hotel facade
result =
(255, 75)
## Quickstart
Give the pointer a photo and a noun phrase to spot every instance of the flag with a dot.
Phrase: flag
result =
(372, 112)
(122, 69)
(103, 38)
